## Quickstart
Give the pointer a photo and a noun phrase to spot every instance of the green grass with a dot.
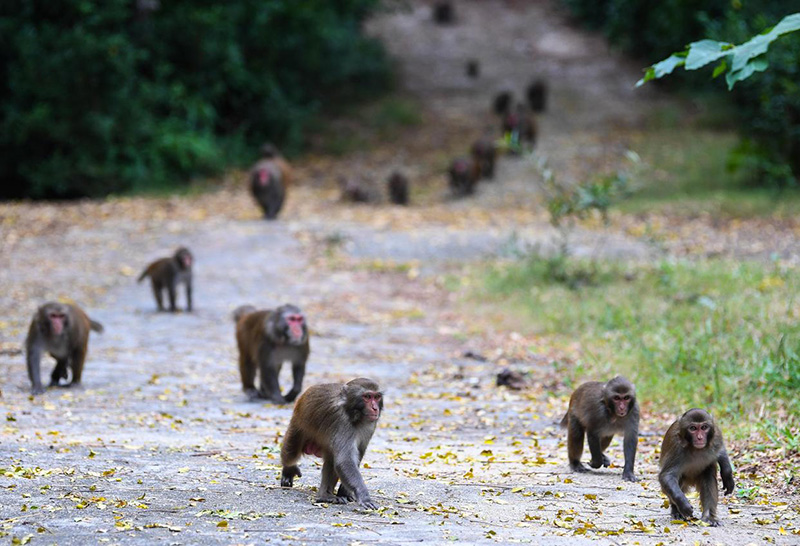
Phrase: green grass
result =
(715, 334)
(687, 173)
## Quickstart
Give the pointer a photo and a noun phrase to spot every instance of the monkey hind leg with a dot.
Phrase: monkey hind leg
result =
(328, 484)
(157, 294)
(604, 443)
(274, 207)
(172, 294)
(575, 433)
(76, 361)
(247, 370)
(709, 495)
(291, 451)
(59, 372)
(288, 474)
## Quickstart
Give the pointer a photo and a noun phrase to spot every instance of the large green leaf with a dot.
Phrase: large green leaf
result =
(663, 68)
(743, 60)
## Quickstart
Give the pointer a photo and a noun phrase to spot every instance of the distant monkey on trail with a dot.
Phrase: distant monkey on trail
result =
(269, 180)
(398, 188)
(167, 274)
(266, 339)
(598, 411)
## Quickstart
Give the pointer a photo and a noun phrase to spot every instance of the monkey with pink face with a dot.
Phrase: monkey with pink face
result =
(335, 422)
(62, 331)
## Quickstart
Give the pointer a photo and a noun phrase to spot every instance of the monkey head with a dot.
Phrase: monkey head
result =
(288, 324)
(363, 400)
(268, 151)
(619, 396)
(697, 428)
(461, 166)
(53, 318)
(183, 258)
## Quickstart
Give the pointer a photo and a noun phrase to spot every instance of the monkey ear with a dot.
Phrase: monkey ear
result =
(683, 439)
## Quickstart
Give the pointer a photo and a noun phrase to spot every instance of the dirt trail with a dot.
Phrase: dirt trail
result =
(160, 446)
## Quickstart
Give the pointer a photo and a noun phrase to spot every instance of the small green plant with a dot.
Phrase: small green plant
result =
(567, 204)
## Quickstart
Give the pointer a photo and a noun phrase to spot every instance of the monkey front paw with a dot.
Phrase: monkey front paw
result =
(37, 390)
(685, 512)
(712, 522)
(629, 477)
(368, 504)
(728, 485)
(289, 474)
(345, 493)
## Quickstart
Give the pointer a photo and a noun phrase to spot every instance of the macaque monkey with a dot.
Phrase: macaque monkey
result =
(443, 13)
(601, 410)
(484, 153)
(691, 450)
(167, 274)
(335, 422)
(357, 190)
(269, 179)
(473, 69)
(502, 102)
(61, 330)
(398, 188)
(266, 340)
(537, 96)
(464, 173)
(519, 126)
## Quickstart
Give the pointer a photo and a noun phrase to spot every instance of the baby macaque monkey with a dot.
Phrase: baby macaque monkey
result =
(690, 453)
(600, 410)
(167, 274)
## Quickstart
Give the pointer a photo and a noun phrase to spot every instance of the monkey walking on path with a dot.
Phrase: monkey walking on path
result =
(167, 274)
(62, 330)
(269, 180)
(599, 410)
(266, 339)
(335, 422)
(691, 450)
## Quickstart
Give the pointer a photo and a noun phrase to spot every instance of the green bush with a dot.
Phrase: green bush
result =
(97, 98)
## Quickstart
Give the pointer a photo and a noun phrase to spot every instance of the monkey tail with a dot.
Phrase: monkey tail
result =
(96, 326)
(144, 274)
(564, 421)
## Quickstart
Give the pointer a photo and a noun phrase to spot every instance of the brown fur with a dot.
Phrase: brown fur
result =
(264, 346)
(331, 421)
(592, 413)
(69, 347)
(684, 466)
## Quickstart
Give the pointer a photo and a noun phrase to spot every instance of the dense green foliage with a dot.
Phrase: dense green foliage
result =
(97, 97)
(768, 105)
